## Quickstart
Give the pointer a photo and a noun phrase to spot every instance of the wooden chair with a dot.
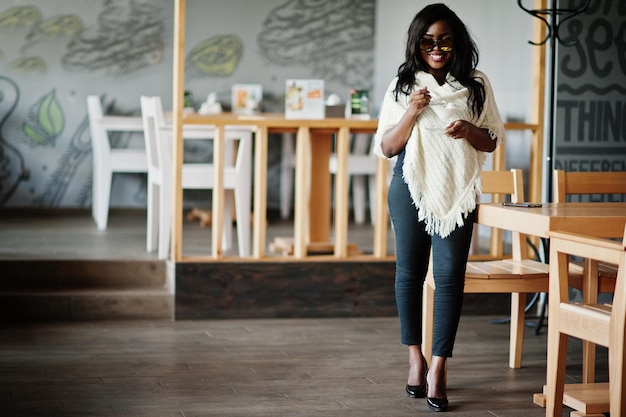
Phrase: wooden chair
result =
(570, 184)
(107, 160)
(576, 185)
(598, 323)
(517, 276)
(237, 178)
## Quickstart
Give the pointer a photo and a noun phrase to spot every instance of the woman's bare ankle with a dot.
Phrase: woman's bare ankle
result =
(417, 366)
(436, 378)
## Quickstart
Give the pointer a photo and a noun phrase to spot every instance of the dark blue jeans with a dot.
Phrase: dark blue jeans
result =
(413, 246)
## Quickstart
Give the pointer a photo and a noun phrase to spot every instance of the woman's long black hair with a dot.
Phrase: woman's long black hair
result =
(464, 60)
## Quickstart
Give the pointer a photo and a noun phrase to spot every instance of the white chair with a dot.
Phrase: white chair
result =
(361, 169)
(237, 178)
(107, 160)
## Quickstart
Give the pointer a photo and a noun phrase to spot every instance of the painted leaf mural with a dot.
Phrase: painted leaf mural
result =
(19, 16)
(56, 27)
(217, 56)
(47, 123)
(28, 65)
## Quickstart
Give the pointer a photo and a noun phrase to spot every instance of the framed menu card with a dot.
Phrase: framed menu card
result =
(304, 99)
(246, 98)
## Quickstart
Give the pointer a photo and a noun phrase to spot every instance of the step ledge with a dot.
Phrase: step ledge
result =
(89, 292)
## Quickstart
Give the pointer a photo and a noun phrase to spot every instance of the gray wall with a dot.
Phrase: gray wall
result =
(55, 53)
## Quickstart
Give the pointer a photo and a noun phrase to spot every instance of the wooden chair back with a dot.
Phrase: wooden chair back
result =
(587, 183)
(601, 324)
(590, 183)
(501, 185)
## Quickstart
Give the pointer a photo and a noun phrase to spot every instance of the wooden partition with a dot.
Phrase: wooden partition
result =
(314, 143)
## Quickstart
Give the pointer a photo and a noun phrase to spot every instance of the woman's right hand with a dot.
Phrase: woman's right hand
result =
(394, 140)
(418, 100)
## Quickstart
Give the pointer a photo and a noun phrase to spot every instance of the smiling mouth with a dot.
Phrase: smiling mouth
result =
(437, 57)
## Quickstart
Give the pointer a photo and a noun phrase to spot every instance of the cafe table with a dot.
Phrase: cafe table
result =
(592, 219)
(605, 220)
(314, 144)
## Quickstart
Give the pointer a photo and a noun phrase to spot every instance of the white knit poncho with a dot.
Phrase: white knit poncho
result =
(442, 173)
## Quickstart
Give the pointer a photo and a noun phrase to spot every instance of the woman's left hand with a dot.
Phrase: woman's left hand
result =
(477, 137)
(458, 129)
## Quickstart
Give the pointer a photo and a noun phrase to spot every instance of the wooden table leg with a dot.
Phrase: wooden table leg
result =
(319, 203)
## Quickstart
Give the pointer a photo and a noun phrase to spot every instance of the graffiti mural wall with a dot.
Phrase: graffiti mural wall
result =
(53, 54)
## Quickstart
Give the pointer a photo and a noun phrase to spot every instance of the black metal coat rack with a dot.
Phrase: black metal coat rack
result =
(553, 24)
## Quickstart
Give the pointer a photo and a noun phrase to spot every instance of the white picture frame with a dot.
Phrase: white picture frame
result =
(246, 98)
(304, 99)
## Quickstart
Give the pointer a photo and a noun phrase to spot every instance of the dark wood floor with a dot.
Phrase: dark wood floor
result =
(271, 367)
(243, 367)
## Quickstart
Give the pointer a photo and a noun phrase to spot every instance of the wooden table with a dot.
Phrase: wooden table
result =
(312, 205)
(604, 220)
(593, 219)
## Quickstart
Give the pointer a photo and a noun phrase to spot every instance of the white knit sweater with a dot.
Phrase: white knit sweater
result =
(443, 174)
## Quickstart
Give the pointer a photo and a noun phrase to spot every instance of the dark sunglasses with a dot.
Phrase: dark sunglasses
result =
(427, 44)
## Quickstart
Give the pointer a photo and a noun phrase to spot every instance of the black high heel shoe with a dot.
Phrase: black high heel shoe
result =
(437, 404)
(416, 391)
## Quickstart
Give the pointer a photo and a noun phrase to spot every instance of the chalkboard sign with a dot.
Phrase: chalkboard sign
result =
(591, 89)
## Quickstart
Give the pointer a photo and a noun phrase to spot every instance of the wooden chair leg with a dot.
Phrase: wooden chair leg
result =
(555, 381)
(516, 338)
(617, 366)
